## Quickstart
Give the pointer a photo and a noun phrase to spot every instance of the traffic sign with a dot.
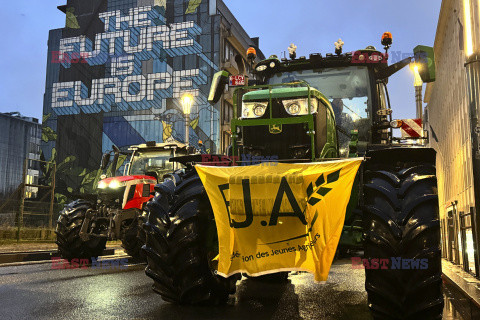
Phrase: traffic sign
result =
(238, 80)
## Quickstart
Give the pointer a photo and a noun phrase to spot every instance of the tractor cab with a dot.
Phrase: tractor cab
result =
(147, 165)
(153, 159)
(331, 106)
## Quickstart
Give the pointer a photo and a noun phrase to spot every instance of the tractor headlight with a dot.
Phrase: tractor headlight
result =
(293, 108)
(253, 109)
(259, 110)
(114, 184)
(102, 185)
(261, 68)
(298, 107)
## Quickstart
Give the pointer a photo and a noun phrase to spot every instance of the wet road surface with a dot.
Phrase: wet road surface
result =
(38, 292)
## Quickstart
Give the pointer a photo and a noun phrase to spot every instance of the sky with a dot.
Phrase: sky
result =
(313, 26)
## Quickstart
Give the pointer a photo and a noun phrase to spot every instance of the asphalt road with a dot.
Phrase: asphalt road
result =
(37, 292)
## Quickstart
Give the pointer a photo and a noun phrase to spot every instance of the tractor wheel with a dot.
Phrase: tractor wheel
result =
(70, 245)
(133, 238)
(180, 247)
(401, 224)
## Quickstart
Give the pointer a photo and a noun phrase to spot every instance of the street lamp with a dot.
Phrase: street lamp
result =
(187, 101)
(418, 83)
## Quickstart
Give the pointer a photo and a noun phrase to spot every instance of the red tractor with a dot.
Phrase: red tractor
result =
(84, 227)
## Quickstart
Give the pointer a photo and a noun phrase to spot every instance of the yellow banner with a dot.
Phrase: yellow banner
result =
(279, 217)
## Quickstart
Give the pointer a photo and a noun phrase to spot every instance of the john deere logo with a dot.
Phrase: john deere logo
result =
(275, 128)
(315, 193)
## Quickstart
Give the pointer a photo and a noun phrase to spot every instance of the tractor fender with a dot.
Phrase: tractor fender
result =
(390, 155)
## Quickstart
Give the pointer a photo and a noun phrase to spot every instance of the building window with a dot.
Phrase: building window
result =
(227, 112)
(229, 52)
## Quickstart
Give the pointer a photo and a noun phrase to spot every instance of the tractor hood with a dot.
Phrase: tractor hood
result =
(115, 182)
(284, 93)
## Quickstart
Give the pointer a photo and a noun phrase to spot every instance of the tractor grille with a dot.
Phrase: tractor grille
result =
(108, 196)
(261, 140)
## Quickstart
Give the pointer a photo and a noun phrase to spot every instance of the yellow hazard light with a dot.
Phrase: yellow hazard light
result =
(251, 53)
(387, 39)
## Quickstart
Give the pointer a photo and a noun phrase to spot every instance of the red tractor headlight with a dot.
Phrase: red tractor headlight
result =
(114, 184)
(102, 185)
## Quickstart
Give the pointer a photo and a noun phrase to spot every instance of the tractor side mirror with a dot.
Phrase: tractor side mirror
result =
(105, 161)
(220, 79)
(425, 60)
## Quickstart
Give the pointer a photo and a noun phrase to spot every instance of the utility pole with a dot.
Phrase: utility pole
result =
(22, 199)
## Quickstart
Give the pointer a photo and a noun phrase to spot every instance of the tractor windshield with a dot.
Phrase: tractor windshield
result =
(151, 163)
(348, 90)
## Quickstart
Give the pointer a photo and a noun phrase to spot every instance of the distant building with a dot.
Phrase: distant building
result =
(449, 113)
(19, 139)
(117, 71)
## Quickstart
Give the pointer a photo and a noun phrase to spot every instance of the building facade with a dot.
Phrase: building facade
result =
(116, 74)
(19, 139)
(449, 121)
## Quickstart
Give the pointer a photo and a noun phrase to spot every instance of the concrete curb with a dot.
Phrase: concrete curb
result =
(13, 257)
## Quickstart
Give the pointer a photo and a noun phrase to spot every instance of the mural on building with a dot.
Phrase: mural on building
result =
(122, 86)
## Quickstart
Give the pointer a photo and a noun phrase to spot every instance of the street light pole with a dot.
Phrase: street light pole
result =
(187, 101)
(418, 83)
(186, 128)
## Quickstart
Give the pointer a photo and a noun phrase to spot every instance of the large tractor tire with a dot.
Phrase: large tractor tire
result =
(133, 238)
(401, 221)
(70, 245)
(182, 244)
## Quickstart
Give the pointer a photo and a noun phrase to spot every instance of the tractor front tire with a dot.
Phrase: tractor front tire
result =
(181, 245)
(401, 224)
(133, 238)
(70, 245)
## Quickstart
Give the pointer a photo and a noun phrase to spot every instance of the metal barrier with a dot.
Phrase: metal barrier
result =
(28, 212)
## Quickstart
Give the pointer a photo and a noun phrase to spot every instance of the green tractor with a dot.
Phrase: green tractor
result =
(307, 110)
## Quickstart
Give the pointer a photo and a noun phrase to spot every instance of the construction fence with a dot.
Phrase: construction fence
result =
(29, 212)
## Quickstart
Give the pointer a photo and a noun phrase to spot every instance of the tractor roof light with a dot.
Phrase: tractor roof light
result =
(251, 53)
(387, 40)
(261, 68)
(292, 50)
(339, 46)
